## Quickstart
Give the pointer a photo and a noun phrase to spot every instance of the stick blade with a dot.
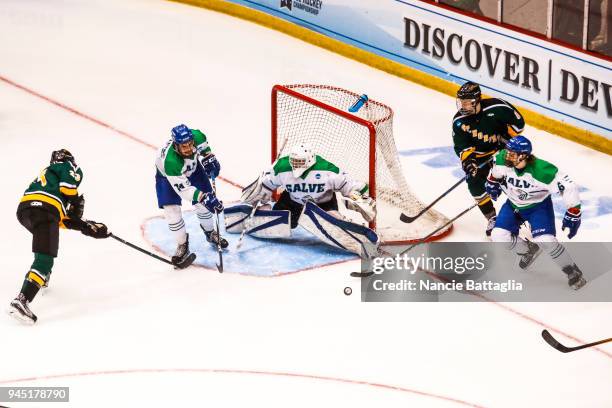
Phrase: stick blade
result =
(553, 342)
(361, 274)
(407, 219)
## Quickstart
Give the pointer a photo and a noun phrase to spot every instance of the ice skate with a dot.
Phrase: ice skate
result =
(574, 277)
(20, 310)
(214, 238)
(490, 226)
(528, 257)
(182, 258)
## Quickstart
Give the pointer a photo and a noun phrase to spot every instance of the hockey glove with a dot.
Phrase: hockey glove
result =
(211, 166)
(363, 204)
(76, 207)
(94, 229)
(470, 167)
(572, 221)
(493, 188)
(211, 202)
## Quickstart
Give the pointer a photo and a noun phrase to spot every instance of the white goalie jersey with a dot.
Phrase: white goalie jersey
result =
(316, 184)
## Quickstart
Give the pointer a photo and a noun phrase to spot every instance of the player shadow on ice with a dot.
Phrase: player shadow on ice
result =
(257, 257)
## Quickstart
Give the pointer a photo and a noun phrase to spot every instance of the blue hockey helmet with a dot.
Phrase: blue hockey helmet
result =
(181, 134)
(519, 144)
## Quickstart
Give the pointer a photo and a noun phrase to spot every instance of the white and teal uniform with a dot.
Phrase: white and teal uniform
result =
(529, 194)
(532, 185)
(178, 169)
(318, 183)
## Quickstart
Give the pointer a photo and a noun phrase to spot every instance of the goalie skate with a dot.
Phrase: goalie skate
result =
(20, 310)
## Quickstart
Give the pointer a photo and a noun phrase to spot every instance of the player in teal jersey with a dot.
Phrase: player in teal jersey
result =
(49, 203)
(480, 128)
(528, 182)
(184, 165)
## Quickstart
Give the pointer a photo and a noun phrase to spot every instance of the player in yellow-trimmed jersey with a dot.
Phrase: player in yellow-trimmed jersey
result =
(49, 203)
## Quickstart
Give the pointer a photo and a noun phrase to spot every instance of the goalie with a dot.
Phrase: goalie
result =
(309, 199)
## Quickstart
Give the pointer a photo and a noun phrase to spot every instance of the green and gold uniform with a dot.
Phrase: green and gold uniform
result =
(42, 211)
(479, 136)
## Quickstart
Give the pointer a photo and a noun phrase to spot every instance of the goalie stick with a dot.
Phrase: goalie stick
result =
(555, 344)
(408, 219)
(188, 261)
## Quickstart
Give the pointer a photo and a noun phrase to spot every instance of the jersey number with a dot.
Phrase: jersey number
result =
(179, 187)
(42, 179)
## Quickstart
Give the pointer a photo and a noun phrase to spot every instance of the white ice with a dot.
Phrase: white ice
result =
(122, 329)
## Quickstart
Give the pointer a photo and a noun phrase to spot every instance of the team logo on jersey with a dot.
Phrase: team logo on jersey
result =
(523, 195)
(305, 188)
(518, 183)
(317, 176)
(286, 3)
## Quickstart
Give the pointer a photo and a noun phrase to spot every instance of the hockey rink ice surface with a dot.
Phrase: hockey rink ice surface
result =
(108, 79)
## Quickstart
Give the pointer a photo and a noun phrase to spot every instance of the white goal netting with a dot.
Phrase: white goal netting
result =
(360, 143)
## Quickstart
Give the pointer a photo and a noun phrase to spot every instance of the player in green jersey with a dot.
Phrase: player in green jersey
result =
(49, 203)
(480, 128)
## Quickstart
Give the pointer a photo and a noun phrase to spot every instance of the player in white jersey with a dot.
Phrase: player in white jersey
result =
(528, 182)
(306, 177)
(184, 165)
(309, 184)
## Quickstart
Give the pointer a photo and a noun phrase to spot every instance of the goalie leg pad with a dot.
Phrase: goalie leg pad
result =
(264, 224)
(339, 233)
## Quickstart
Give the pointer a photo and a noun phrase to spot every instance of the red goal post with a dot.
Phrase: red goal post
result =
(360, 143)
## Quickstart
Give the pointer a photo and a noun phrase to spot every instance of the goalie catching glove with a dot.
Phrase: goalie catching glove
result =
(256, 192)
(363, 204)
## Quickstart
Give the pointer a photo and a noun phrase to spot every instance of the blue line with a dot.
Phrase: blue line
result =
(446, 73)
(504, 35)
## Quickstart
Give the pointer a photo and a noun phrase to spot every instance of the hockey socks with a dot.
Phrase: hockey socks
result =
(37, 276)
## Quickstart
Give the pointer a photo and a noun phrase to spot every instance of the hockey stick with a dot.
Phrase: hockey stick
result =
(188, 261)
(219, 249)
(408, 219)
(555, 344)
(247, 224)
(420, 241)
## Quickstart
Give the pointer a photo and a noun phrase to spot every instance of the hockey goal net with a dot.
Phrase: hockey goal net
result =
(361, 144)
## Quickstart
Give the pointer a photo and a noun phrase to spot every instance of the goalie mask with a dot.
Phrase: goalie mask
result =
(301, 158)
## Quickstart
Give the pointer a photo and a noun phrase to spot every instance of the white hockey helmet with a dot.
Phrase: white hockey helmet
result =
(301, 158)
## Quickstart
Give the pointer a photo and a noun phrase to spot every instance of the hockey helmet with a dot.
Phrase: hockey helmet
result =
(519, 144)
(181, 134)
(518, 150)
(468, 98)
(301, 158)
(62, 155)
(183, 140)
